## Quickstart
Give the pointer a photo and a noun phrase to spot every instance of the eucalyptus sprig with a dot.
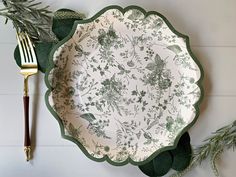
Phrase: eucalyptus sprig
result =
(223, 139)
(29, 16)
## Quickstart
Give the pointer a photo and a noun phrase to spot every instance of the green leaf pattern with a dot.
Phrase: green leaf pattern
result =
(124, 85)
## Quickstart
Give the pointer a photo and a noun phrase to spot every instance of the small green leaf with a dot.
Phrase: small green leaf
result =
(147, 142)
(121, 68)
(158, 59)
(159, 63)
(145, 103)
(148, 169)
(62, 27)
(73, 131)
(148, 121)
(162, 163)
(175, 48)
(88, 116)
(134, 92)
(185, 139)
(169, 126)
(138, 134)
(157, 24)
(130, 63)
(151, 66)
(181, 156)
(6, 20)
(147, 136)
(153, 123)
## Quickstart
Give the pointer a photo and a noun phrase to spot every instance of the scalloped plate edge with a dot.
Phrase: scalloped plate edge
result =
(105, 157)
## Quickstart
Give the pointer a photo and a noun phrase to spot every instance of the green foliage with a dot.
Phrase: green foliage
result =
(107, 39)
(181, 156)
(223, 139)
(178, 158)
(88, 116)
(61, 27)
(29, 16)
(148, 169)
(162, 163)
(175, 48)
(159, 166)
(63, 22)
(74, 132)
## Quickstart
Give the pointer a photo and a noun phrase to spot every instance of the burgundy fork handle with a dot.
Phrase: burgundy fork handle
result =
(26, 112)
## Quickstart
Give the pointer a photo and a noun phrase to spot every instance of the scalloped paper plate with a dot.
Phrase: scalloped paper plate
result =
(124, 85)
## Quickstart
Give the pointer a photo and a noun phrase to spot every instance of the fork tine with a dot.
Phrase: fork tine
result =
(22, 55)
(26, 48)
(25, 43)
(34, 58)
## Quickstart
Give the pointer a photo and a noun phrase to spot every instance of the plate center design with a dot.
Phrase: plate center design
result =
(124, 85)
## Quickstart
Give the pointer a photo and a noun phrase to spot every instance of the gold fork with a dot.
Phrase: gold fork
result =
(29, 67)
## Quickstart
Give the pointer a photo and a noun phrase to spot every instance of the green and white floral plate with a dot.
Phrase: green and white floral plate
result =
(124, 85)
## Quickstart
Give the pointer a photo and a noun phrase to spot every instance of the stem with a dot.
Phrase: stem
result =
(223, 138)
(28, 16)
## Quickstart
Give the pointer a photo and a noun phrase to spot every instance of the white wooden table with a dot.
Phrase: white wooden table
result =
(211, 27)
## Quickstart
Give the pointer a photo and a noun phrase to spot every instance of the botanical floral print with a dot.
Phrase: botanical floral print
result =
(124, 85)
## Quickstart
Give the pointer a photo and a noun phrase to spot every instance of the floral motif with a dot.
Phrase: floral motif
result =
(107, 39)
(124, 85)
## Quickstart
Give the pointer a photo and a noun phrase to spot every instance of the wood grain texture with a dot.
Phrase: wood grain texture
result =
(211, 27)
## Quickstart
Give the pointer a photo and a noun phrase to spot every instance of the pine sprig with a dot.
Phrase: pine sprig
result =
(223, 139)
(214, 157)
(29, 16)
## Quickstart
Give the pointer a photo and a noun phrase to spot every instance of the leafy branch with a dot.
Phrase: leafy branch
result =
(223, 139)
(29, 16)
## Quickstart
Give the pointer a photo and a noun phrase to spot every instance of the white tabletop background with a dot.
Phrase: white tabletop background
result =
(211, 27)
